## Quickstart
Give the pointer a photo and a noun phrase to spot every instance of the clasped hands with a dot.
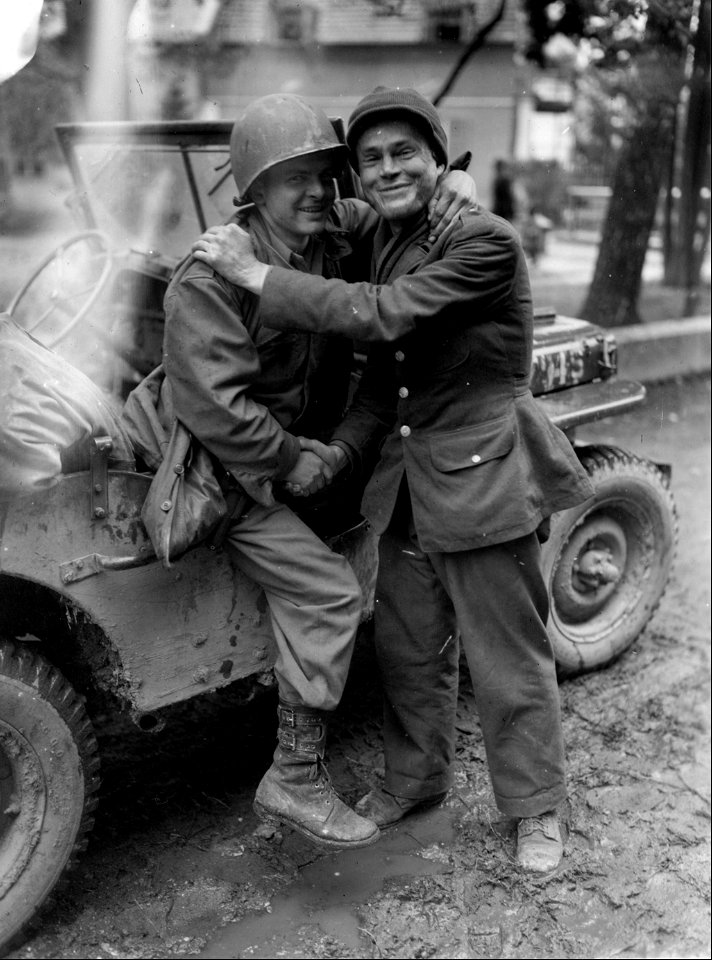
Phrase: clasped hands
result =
(316, 466)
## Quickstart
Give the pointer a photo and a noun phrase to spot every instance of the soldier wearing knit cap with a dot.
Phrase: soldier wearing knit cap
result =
(469, 470)
(398, 103)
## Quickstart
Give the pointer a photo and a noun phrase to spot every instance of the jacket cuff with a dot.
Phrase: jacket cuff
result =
(290, 455)
(352, 456)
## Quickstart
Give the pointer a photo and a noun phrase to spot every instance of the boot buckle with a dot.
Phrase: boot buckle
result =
(287, 739)
(289, 717)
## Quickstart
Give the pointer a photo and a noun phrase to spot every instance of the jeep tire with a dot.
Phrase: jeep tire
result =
(48, 782)
(607, 562)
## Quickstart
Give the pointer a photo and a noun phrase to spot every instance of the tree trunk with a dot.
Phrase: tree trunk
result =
(642, 165)
(689, 224)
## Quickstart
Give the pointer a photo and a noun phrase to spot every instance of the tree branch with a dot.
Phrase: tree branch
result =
(472, 48)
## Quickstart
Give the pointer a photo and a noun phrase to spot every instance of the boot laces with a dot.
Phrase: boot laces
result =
(320, 775)
(544, 824)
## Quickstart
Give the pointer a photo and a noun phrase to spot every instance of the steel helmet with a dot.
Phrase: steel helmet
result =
(275, 128)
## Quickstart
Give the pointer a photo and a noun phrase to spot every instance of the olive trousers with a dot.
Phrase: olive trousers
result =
(494, 602)
(313, 597)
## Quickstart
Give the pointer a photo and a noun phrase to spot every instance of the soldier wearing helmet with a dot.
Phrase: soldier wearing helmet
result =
(262, 402)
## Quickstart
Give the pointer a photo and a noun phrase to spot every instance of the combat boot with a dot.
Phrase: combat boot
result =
(539, 843)
(297, 791)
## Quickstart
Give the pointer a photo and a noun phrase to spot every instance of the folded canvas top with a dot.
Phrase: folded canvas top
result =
(48, 412)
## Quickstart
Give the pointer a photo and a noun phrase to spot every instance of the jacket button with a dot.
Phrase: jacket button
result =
(405, 431)
(475, 458)
(403, 392)
(166, 505)
(399, 355)
(179, 469)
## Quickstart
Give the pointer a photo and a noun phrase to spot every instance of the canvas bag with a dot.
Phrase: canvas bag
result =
(185, 502)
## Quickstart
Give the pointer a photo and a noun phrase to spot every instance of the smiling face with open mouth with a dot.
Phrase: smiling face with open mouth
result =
(398, 170)
(296, 196)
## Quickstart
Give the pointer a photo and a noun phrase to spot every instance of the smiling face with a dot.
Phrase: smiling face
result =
(296, 196)
(398, 170)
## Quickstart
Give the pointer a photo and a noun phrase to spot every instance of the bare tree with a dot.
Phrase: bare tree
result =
(687, 221)
(652, 85)
(639, 51)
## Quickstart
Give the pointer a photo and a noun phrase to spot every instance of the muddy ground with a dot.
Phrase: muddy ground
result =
(179, 867)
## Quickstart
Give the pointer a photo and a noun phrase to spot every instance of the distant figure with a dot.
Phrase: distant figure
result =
(502, 193)
(533, 230)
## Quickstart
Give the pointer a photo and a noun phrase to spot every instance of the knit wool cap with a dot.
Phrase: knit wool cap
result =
(397, 103)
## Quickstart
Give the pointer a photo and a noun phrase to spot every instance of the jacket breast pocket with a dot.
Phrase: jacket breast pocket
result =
(472, 445)
(283, 355)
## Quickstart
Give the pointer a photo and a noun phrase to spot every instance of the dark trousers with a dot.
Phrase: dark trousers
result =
(495, 599)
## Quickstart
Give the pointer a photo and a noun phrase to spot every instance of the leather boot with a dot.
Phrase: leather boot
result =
(297, 791)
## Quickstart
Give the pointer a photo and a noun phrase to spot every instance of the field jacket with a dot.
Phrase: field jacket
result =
(244, 389)
(447, 381)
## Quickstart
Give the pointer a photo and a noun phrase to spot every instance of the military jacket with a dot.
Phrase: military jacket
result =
(247, 390)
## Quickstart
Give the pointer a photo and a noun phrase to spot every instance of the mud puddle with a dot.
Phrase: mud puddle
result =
(330, 892)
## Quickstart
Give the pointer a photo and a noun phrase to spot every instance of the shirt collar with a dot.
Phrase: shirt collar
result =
(389, 248)
(310, 261)
(333, 243)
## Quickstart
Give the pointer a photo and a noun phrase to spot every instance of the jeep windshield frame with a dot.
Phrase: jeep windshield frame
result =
(154, 187)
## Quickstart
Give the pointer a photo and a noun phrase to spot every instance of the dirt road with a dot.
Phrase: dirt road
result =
(177, 866)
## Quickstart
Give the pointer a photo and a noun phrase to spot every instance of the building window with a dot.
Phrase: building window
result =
(289, 23)
(450, 22)
(295, 22)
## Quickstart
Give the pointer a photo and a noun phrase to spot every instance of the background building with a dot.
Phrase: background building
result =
(209, 58)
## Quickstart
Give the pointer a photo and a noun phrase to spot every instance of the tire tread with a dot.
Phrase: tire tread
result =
(609, 462)
(20, 664)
